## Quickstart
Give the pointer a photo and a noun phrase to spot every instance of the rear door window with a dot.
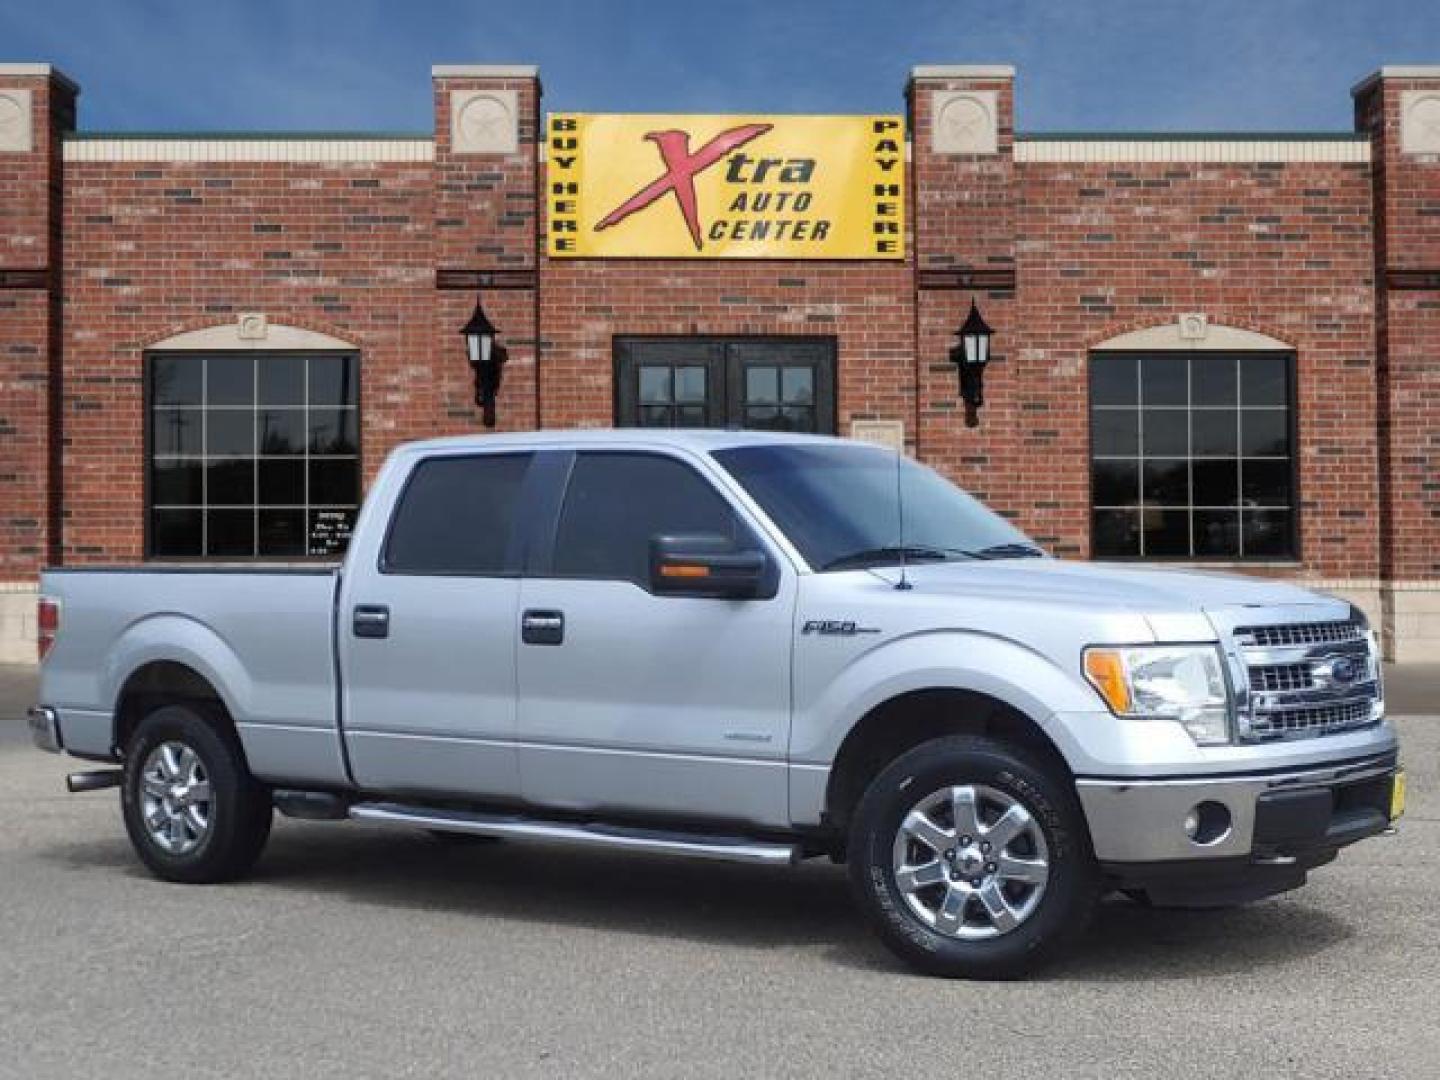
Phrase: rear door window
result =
(457, 515)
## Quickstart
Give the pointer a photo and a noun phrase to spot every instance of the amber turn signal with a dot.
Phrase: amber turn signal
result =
(685, 570)
(1105, 668)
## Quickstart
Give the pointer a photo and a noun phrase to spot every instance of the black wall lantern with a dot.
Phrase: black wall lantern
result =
(487, 359)
(970, 356)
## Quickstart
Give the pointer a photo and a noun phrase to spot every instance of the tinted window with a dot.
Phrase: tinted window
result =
(615, 504)
(456, 516)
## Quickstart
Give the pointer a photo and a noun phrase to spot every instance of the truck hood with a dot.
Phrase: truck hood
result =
(1143, 590)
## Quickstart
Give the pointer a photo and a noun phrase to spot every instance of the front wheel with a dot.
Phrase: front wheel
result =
(971, 859)
(193, 811)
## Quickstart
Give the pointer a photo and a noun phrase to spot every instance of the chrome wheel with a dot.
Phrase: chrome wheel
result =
(175, 798)
(971, 862)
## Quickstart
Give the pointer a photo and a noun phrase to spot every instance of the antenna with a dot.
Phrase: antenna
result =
(904, 582)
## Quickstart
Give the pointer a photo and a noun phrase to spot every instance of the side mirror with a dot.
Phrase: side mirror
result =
(707, 566)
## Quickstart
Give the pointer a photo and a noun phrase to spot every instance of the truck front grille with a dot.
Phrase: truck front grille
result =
(1307, 679)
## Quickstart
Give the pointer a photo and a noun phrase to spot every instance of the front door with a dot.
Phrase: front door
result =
(643, 703)
(772, 384)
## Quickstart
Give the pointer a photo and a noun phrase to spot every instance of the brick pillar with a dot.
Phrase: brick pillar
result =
(1400, 108)
(37, 105)
(486, 231)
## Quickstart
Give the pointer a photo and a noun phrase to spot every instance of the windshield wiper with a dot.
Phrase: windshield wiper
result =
(1008, 551)
(893, 554)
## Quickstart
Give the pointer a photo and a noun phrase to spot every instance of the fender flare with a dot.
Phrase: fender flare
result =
(180, 639)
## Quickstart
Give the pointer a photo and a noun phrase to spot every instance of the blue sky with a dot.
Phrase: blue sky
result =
(364, 64)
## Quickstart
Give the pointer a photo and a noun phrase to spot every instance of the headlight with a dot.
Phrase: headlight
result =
(1184, 683)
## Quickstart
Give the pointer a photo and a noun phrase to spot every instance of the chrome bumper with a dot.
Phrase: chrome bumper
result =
(45, 728)
(1144, 821)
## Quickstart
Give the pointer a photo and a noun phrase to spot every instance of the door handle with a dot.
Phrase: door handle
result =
(371, 620)
(542, 627)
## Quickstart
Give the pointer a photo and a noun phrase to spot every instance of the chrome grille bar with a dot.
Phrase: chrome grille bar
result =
(1304, 680)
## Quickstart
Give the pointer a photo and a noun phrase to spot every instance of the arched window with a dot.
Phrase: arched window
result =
(1192, 447)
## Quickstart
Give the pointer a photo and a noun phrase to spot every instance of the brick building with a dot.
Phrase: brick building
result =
(1209, 349)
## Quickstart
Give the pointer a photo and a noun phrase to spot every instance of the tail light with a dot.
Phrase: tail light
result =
(47, 623)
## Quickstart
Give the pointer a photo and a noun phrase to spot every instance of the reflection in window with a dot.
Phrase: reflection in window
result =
(252, 455)
(1191, 455)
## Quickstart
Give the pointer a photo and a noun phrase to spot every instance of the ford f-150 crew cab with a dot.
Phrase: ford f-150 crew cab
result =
(736, 645)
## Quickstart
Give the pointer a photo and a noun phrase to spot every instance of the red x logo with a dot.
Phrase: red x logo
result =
(681, 168)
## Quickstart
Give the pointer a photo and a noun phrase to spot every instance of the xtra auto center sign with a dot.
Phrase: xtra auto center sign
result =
(731, 187)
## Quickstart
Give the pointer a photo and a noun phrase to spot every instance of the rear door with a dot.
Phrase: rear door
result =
(426, 631)
(636, 702)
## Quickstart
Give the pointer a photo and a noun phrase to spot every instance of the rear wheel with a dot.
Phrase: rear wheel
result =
(193, 811)
(971, 859)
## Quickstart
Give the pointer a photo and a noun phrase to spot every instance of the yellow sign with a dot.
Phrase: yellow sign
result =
(727, 187)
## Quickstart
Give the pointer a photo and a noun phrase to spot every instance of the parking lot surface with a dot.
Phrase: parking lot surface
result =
(357, 952)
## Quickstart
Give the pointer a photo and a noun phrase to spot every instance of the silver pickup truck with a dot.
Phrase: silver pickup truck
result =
(735, 646)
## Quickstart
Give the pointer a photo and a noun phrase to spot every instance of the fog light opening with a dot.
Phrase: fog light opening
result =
(1207, 823)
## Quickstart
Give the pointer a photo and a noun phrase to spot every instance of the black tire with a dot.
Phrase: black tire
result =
(239, 809)
(1069, 895)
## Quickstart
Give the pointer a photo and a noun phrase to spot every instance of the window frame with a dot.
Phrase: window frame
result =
(550, 508)
(147, 454)
(1295, 553)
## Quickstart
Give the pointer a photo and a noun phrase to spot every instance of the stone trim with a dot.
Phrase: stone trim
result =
(1172, 336)
(1397, 71)
(963, 71)
(485, 71)
(1181, 149)
(39, 71)
(239, 336)
(218, 148)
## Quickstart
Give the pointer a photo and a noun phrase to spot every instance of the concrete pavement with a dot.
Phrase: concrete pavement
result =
(356, 952)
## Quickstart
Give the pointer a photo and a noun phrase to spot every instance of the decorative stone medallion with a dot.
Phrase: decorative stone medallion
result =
(965, 122)
(1420, 121)
(16, 135)
(1194, 326)
(484, 122)
(252, 326)
(887, 433)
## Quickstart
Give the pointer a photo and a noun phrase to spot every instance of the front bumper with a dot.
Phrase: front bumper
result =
(1268, 818)
(44, 725)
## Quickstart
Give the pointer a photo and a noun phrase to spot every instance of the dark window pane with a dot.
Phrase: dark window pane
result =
(1117, 483)
(456, 516)
(763, 418)
(176, 381)
(1266, 483)
(1217, 533)
(797, 419)
(1165, 433)
(1264, 380)
(1167, 482)
(1162, 380)
(229, 380)
(1265, 432)
(655, 416)
(690, 416)
(1167, 532)
(332, 381)
(332, 431)
(231, 482)
(1213, 433)
(762, 386)
(335, 482)
(1212, 381)
(1216, 483)
(797, 385)
(655, 385)
(1113, 380)
(177, 431)
(176, 483)
(328, 532)
(690, 384)
(1115, 432)
(280, 431)
(282, 532)
(230, 533)
(230, 431)
(1267, 532)
(175, 533)
(605, 531)
(1115, 533)
(282, 380)
(282, 483)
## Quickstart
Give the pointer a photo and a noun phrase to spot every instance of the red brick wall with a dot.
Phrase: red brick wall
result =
(1407, 208)
(30, 195)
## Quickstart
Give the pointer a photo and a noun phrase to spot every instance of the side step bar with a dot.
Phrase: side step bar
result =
(696, 845)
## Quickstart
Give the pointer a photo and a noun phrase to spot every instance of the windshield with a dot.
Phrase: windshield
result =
(838, 505)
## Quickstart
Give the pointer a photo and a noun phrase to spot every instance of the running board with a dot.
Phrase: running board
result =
(696, 845)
